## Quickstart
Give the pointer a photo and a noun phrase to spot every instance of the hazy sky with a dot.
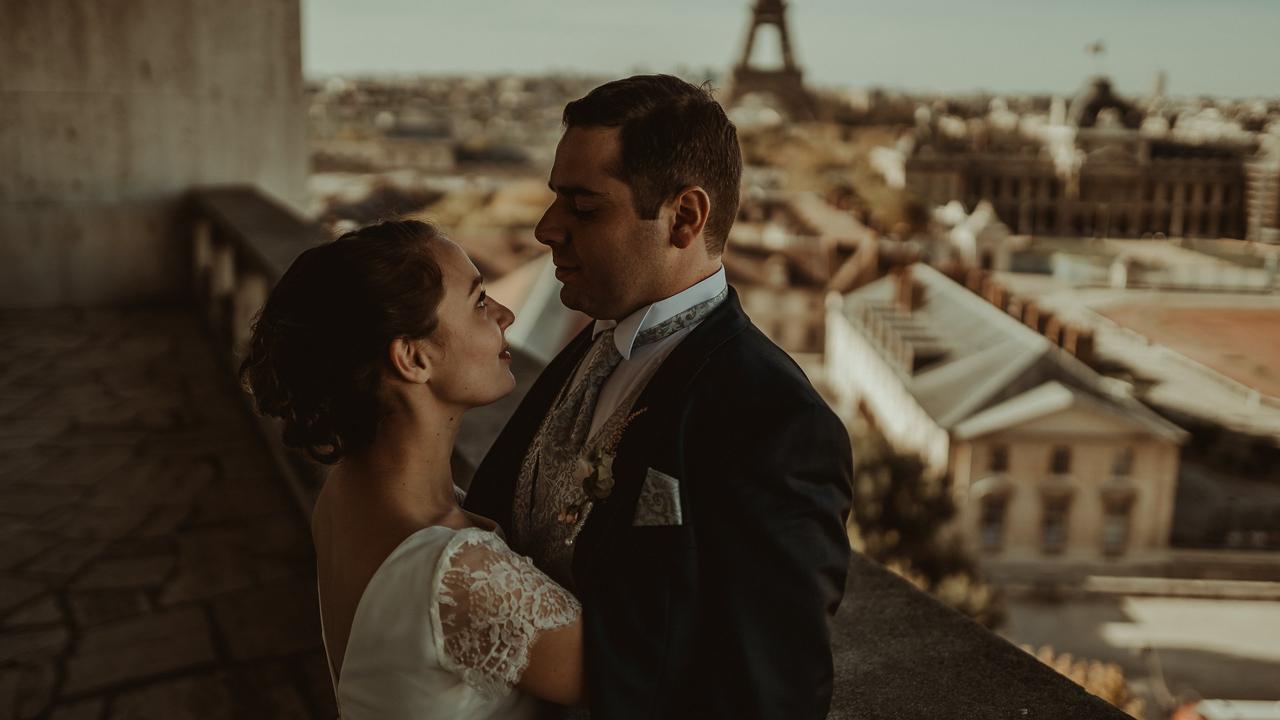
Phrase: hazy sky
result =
(1223, 47)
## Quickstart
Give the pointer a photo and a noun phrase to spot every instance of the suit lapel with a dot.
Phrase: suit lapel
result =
(642, 445)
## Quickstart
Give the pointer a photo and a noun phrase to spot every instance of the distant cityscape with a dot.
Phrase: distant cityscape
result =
(1067, 306)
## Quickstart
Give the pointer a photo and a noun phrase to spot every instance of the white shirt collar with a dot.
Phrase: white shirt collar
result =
(626, 330)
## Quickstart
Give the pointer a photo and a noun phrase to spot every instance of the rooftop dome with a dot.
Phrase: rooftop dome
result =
(1096, 97)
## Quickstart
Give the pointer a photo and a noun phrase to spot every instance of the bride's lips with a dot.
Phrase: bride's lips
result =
(506, 353)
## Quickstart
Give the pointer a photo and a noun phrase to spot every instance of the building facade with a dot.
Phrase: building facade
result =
(1096, 174)
(1046, 461)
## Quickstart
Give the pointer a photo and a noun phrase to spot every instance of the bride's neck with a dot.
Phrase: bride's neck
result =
(408, 460)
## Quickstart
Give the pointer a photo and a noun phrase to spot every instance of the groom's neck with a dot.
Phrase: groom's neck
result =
(670, 288)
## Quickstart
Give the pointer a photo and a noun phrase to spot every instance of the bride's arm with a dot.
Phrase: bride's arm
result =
(555, 670)
(502, 623)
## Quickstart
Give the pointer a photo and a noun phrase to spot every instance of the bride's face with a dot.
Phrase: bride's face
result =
(471, 365)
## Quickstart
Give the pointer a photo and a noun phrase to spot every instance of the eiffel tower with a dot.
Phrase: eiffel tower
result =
(785, 84)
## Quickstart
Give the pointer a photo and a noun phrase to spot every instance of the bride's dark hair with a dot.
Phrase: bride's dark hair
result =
(318, 345)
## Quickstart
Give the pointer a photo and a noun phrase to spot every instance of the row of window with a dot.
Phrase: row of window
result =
(1054, 521)
(1189, 193)
(1060, 460)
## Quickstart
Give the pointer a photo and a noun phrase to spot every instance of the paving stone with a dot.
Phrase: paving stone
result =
(127, 458)
(102, 606)
(15, 591)
(18, 547)
(34, 692)
(270, 621)
(41, 611)
(164, 521)
(80, 467)
(275, 686)
(32, 645)
(14, 398)
(134, 546)
(126, 573)
(200, 443)
(14, 442)
(90, 709)
(213, 561)
(154, 482)
(71, 401)
(32, 501)
(12, 525)
(9, 692)
(100, 524)
(319, 685)
(64, 559)
(134, 650)
(30, 429)
(256, 692)
(9, 678)
(206, 571)
(241, 499)
(19, 466)
(98, 438)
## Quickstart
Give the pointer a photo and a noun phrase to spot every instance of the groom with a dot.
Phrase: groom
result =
(672, 466)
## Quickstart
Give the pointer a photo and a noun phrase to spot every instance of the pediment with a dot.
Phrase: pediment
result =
(1078, 422)
(1052, 409)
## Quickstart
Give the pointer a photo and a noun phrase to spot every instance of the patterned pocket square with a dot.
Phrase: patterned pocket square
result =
(659, 501)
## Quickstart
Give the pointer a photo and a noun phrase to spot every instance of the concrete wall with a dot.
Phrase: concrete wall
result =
(110, 110)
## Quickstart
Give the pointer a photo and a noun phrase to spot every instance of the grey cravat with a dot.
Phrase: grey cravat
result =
(549, 464)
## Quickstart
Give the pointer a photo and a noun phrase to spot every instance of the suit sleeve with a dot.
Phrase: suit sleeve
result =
(771, 491)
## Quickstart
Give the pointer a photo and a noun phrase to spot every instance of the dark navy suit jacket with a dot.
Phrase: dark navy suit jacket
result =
(727, 614)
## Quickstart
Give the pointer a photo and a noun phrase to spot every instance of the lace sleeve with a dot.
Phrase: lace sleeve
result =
(490, 604)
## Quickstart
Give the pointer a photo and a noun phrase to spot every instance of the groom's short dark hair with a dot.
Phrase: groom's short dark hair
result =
(673, 135)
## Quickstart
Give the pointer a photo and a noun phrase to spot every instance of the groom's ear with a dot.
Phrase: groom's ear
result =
(409, 360)
(692, 206)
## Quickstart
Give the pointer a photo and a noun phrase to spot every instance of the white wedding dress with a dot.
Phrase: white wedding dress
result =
(444, 628)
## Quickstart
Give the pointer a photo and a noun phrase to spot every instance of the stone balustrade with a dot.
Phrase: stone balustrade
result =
(241, 243)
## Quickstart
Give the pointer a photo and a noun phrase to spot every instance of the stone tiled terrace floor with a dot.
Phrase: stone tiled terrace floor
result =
(151, 563)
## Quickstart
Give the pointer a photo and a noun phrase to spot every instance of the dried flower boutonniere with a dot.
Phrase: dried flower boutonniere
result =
(593, 472)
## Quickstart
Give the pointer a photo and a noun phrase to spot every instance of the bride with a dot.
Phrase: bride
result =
(369, 350)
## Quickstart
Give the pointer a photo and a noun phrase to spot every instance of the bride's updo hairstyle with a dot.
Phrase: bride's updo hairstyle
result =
(318, 346)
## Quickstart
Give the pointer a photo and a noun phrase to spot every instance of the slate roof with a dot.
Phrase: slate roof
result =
(982, 357)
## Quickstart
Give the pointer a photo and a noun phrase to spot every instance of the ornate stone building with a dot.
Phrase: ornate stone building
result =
(1093, 171)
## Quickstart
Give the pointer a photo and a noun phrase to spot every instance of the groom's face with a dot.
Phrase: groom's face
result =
(607, 257)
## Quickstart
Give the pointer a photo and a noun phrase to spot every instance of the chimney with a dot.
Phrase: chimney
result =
(1085, 348)
(995, 293)
(1053, 329)
(1031, 316)
(974, 280)
(908, 293)
(1079, 342)
(1070, 334)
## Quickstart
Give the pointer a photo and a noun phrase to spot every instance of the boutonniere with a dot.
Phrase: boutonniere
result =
(593, 473)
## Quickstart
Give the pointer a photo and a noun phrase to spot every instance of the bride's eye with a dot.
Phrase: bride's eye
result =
(482, 303)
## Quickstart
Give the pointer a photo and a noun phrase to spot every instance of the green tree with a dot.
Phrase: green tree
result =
(1106, 680)
(898, 510)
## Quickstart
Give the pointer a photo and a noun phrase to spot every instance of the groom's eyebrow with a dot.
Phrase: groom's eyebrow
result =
(574, 190)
